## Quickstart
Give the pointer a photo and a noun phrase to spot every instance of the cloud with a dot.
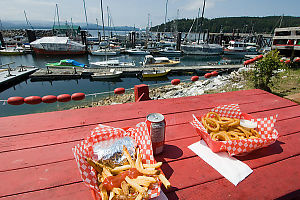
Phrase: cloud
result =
(193, 5)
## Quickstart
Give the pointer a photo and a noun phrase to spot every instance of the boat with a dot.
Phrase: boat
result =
(111, 74)
(138, 51)
(105, 52)
(169, 51)
(151, 61)
(57, 46)
(240, 48)
(155, 73)
(65, 64)
(202, 49)
(112, 63)
(12, 52)
(287, 41)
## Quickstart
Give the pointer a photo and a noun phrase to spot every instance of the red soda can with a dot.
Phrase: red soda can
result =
(156, 126)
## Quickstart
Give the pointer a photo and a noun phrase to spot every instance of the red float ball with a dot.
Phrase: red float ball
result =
(33, 100)
(260, 56)
(64, 98)
(214, 73)
(246, 62)
(15, 100)
(119, 91)
(175, 81)
(78, 96)
(49, 99)
(195, 78)
(207, 75)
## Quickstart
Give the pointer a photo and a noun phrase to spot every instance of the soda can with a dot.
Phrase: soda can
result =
(156, 126)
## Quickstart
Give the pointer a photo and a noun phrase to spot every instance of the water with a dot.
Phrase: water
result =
(87, 86)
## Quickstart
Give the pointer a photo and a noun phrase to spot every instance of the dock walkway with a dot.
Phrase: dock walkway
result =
(12, 75)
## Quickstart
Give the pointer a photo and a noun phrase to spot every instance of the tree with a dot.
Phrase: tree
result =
(266, 69)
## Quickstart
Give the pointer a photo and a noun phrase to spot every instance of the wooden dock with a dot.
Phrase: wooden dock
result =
(11, 76)
(62, 74)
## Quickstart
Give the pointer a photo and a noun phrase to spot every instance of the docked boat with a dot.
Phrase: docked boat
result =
(12, 52)
(138, 51)
(57, 46)
(287, 41)
(151, 61)
(169, 51)
(202, 49)
(105, 52)
(65, 64)
(112, 63)
(155, 73)
(240, 48)
(111, 74)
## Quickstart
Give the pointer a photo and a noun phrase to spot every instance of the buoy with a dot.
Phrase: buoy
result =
(119, 91)
(64, 98)
(214, 73)
(281, 60)
(78, 96)
(33, 100)
(49, 99)
(15, 100)
(175, 81)
(207, 75)
(246, 62)
(195, 78)
(260, 56)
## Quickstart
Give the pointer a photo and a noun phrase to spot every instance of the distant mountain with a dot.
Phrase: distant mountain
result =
(48, 25)
(227, 24)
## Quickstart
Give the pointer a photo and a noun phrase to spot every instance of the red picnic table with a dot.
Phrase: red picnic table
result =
(37, 160)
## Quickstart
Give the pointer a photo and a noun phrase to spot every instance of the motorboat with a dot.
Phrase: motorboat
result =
(105, 52)
(169, 51)
(57, 46)
(151, 61)
(112, 63)
(202, 49)
(65, 64)
(240, 48)
(12, 52)
(154, 73)
(111, 74)
(138, 51)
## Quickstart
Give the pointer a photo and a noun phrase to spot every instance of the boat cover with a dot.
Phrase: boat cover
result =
(74, 62)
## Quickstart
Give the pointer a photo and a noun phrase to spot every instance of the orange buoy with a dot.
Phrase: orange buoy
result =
(49, 99)
(64, 98)
(119, 91)
(195, 78)
(175, 81)
(15, 100)
(207, 75)
(214, 73)
(78, 96)
(33, 100)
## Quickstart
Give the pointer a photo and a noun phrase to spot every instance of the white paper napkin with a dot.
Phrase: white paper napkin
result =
(231, 168)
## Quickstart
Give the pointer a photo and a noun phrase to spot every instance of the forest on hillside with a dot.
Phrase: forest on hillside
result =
(228, 24)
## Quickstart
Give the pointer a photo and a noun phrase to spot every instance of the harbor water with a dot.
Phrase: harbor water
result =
(87, 86)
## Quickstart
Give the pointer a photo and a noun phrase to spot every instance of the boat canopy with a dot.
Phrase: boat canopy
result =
(72, 62)
(56, 40)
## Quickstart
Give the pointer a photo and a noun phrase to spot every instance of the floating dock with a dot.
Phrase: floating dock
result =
(62, 74)
(12, 76)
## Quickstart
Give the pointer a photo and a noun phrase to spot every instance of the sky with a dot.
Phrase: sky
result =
(136, 12)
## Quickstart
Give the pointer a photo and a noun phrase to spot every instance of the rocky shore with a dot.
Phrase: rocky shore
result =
(228, 82)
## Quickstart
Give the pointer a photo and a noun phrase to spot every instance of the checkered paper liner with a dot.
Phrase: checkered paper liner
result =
(265, 128)
(85, 149)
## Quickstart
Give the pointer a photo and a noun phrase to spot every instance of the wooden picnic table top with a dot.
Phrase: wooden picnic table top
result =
(37, 160)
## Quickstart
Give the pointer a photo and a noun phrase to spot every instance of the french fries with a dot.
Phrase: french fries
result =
(130, 181)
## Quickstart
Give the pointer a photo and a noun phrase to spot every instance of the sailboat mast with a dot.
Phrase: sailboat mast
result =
(102, 17)
(86, 20)
(57, 16)
(28, 23)
(166, 16)
(201, 24)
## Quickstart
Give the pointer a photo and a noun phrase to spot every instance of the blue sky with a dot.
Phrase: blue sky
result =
(135, 12)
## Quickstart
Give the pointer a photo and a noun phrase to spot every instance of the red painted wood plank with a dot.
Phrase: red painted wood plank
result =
(73, 191)
(61, 119)
(268, 182)
(181, 172)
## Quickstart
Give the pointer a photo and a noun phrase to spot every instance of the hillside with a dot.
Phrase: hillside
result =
(244, 24)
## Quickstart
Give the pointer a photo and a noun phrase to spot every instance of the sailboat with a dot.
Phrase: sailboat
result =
(200, 47)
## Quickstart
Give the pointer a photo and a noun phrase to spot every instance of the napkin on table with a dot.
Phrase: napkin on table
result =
(231, 168)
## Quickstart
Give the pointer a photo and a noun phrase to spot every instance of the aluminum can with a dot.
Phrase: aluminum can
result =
(156, 126)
